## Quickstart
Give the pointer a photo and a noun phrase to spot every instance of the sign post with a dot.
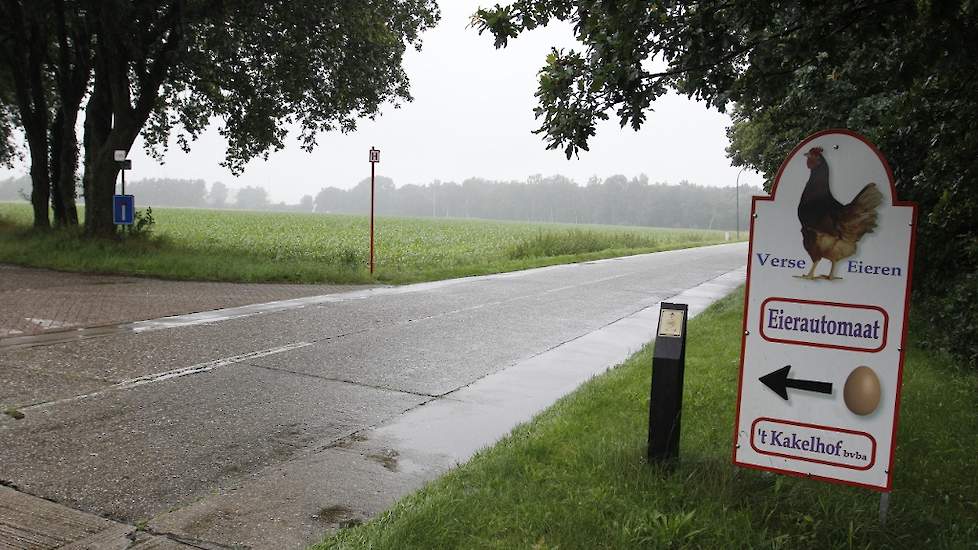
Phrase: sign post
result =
(666, 399)
(123, 209)
(825, 316)
(374, 159)
(123, 205)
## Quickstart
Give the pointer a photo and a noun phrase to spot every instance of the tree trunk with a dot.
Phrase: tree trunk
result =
(100, 168)
(74, 69)
(100, 175)
(24, 56)
(57, 142)
(38, 129)
(64, 165)
(40, 182)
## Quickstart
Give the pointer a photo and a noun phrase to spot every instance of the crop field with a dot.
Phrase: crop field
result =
(300, 247)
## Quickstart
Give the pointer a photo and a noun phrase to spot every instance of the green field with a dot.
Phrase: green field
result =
(309, 248)
(577, 477)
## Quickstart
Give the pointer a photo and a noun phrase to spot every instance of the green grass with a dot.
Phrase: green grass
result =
(576, 476)
(311, 248)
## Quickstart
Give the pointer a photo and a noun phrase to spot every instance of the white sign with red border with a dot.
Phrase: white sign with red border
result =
(825, 316)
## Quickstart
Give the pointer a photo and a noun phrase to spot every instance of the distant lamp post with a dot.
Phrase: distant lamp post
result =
(738, 201)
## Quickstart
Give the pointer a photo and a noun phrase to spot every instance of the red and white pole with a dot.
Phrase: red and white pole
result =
(374, 159)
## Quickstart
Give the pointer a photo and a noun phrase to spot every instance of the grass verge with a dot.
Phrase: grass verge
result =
(576, 476)
(315, 248)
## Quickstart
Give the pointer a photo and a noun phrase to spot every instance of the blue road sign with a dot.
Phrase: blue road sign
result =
(123, 209)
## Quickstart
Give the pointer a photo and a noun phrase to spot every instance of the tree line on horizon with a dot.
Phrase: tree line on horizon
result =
(183, 193)
(616, 200)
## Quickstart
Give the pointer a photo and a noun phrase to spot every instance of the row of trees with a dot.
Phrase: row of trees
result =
(179, 192)
(195, 194)
(900, 72)
(615, 200)
(156, 68)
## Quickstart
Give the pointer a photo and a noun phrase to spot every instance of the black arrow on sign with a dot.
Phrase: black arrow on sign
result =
(779, 383)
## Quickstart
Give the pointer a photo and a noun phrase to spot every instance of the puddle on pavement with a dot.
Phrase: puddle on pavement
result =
(334, 514)
(386, 458)
(349, 441)
(339, 515)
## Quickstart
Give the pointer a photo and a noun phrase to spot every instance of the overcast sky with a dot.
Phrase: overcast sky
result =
(472, 116)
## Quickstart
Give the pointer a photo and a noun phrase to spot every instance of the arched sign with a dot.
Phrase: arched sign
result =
(825, 316)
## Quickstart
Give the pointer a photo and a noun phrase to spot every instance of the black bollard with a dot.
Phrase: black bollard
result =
(666, 401)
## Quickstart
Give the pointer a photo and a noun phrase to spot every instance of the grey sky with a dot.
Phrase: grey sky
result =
(472, 116)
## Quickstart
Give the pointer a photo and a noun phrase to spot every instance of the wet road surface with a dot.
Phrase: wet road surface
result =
(264, 427)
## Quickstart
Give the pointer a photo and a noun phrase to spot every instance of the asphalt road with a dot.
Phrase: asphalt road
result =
(135, 425)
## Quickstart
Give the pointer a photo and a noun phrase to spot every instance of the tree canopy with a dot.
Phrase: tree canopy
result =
(153, 68)
(900, 72)
(261, 67)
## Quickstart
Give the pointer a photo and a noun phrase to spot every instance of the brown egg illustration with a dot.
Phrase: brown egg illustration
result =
(862, 391)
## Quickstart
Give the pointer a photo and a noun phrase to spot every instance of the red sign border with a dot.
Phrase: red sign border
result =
(886, 325)
(818, 427)
(906, 309)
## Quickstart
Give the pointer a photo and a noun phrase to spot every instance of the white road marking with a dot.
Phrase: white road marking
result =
(46, 323)
(176, 373)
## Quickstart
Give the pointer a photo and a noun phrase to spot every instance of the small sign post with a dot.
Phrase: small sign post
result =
(374, 159)
(668, 366)
(825, 317)
(123, 205)
(120, 157)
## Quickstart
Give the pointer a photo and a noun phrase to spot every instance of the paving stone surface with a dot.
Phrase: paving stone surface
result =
(34, 301)
(31, 523)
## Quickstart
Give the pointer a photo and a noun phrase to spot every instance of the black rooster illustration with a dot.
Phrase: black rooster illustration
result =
(830, 229)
